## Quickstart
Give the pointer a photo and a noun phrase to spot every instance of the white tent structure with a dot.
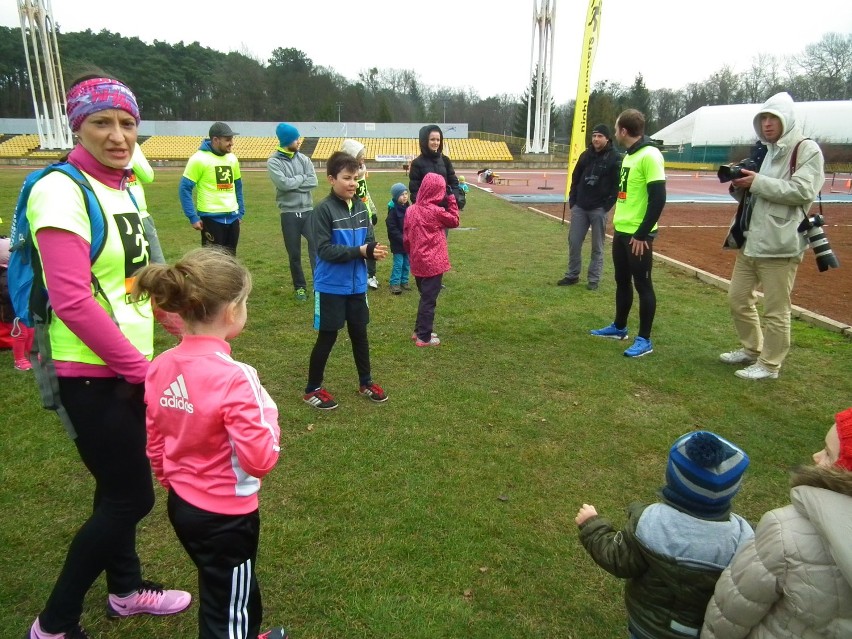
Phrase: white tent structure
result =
(731, 125)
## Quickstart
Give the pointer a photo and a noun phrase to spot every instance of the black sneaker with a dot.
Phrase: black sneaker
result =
(568, 281)
(592, 286)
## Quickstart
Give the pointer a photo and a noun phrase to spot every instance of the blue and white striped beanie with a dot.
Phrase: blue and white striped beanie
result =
(703, 474)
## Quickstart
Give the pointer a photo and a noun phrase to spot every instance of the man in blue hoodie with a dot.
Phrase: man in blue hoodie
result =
(219, 207)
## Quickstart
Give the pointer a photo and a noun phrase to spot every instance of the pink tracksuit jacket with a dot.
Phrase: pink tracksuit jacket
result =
(212, 428)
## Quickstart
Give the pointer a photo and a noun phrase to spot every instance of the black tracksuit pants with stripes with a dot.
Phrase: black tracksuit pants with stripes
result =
(224, 548)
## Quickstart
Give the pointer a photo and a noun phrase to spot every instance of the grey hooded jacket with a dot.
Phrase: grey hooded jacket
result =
(781, 200)
(294, 179)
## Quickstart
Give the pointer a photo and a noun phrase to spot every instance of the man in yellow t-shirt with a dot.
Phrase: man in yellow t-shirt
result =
(641, 198)
(214, 172)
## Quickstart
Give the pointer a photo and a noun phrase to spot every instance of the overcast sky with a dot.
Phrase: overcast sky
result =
(480, 44)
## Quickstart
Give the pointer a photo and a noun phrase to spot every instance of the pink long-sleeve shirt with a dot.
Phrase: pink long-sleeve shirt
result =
(212, 428)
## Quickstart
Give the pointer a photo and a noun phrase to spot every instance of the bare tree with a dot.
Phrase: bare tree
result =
(829, 63)
(669, 106)
(723, 86)
(760, 78)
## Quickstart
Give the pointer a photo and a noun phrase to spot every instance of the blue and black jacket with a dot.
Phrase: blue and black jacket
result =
(339, 232)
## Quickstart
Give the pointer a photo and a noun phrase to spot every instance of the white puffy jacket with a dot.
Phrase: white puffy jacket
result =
(794, 579)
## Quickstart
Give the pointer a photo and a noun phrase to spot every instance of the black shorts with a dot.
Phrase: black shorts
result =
(332, 311)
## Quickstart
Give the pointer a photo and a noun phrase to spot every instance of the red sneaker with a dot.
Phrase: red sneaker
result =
(321, 399)
(373, 392)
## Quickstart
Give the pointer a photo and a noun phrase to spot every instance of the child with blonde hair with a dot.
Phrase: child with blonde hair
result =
(212, 435)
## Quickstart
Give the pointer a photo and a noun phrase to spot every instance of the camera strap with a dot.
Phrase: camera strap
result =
(793, 158)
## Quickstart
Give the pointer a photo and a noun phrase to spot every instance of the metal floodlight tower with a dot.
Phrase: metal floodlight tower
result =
(538, 119)
(45, 73)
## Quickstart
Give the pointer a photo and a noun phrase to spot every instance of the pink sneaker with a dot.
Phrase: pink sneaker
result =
(414, 336)
(37, 633)
(150, 599)
(23, 364)
(274, 633)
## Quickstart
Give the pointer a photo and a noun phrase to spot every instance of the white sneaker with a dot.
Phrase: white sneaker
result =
(739, 356)
(373, 283)
(756, 371)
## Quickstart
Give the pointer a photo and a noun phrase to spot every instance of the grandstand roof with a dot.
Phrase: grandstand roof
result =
(731, 124)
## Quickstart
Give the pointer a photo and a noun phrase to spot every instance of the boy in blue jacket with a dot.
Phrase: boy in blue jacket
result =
(339, 228)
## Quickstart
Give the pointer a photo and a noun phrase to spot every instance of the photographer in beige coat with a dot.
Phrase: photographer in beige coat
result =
(794, 579)
(780, 196)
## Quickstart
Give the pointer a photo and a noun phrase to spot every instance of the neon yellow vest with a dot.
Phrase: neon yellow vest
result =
(56, 202)
(214, 177)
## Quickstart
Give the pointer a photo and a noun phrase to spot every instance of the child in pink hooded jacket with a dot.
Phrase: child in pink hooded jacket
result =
(424, 239)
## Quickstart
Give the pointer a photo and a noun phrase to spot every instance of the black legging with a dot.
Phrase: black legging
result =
(631, 271)
(322, 349)
(109, 417)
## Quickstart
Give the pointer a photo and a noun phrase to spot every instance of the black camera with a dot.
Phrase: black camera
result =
(728, 172)
(812, 228)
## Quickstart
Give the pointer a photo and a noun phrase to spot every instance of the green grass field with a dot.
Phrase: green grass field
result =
(447, 511)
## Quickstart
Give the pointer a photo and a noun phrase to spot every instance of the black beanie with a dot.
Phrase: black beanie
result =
(603, 129)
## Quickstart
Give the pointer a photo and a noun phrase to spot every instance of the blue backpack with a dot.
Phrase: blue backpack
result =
(29, 297)
(26, 287)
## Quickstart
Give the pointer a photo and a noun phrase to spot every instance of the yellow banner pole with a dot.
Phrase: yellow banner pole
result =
(581, 106)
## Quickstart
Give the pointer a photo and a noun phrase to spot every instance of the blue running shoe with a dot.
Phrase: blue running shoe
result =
(610, 331)
(641, 346)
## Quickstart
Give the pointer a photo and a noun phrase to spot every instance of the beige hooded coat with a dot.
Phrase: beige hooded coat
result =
(780, 198)
(794, 579)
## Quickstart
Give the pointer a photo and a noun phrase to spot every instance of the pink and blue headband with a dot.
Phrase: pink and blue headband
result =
(99, 94)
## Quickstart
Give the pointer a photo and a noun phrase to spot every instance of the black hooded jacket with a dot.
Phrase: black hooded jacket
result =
(594, 182)
(431, 162)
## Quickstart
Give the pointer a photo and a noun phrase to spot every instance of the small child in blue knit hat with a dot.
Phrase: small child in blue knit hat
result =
(396, 223)
(672, 552)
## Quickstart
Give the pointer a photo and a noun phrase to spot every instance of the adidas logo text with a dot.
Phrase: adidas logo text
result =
(175, 396)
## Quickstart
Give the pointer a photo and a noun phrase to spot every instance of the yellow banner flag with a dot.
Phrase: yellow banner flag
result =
(581, 106)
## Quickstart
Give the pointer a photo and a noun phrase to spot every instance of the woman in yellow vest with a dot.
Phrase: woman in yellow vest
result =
(102, 344)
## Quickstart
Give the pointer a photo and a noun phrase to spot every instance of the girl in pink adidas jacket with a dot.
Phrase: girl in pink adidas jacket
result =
(212, 434)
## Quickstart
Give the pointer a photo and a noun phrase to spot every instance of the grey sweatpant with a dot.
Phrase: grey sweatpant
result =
(294, 226)
(581, 220)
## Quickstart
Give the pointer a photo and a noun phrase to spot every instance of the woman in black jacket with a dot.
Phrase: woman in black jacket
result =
(432, 160)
